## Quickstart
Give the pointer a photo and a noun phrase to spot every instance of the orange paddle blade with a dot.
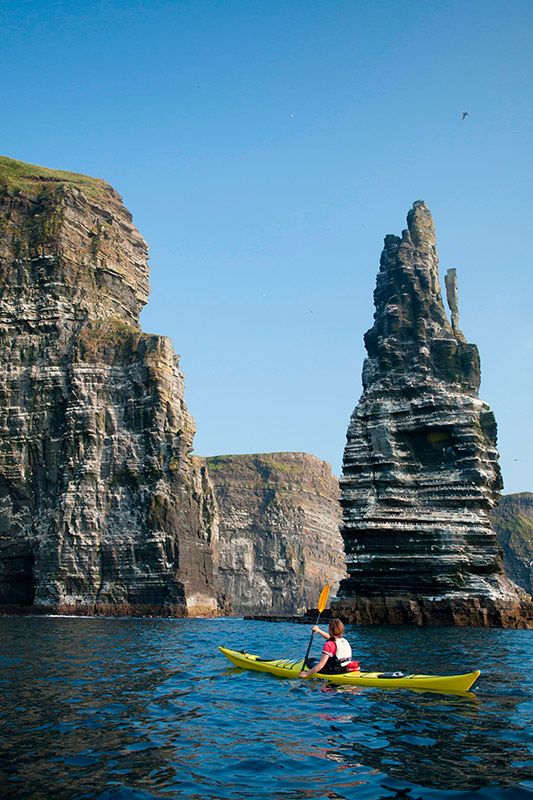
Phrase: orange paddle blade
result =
(323, 599)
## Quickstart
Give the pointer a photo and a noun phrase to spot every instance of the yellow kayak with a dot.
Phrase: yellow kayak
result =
(285, 668)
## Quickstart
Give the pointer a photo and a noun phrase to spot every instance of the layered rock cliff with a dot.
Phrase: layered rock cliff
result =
(513, 521)
(421, 472)
(279, 539)
(102, 506)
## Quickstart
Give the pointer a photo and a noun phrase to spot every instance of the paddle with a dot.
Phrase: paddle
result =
(322, 600)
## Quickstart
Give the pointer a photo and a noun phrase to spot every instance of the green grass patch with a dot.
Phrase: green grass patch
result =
(217, 462)
(287, 467)
(32, 179)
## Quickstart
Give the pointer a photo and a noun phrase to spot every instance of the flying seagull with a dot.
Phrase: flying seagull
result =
(465, 114)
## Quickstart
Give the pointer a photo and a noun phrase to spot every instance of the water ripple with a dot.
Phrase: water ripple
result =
(102, 709)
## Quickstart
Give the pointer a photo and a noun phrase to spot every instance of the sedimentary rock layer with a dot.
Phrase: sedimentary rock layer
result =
(102, 507)
(513, 521)
(420, 472)
(279, 539)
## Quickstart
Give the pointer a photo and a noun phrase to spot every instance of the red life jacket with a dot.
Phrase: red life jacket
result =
(341, 658)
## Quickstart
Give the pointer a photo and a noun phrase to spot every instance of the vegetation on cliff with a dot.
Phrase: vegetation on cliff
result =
(18, 176)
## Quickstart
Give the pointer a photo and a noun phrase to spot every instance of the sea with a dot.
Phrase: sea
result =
(135, 709)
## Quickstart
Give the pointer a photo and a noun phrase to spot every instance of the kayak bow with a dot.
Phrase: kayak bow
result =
(285, 668)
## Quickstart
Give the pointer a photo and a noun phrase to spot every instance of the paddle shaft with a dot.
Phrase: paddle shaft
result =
(322, 600)
(311, 641)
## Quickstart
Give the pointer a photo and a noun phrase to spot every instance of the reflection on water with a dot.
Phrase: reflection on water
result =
(139, 709)
(441, 742)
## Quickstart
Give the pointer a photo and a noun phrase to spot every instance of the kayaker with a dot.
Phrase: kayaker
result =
(337, 653)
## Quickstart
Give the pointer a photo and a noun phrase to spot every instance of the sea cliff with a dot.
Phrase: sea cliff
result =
(513, 521)
(102, 507)
(279, 539)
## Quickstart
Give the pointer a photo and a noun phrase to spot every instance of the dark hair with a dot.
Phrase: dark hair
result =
(336, 627)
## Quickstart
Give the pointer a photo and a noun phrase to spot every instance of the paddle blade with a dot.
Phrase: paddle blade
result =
(323, 599)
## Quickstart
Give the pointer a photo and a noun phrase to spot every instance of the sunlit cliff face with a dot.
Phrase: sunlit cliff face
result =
(101, 505)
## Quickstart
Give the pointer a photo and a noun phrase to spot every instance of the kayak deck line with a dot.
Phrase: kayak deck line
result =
(287, 668)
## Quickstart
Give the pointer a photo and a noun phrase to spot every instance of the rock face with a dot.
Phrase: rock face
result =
(513, 522)
(102, 507)
(279, 539)
(421, 470)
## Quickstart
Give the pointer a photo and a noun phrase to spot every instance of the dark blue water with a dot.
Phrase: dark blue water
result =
(121, 709)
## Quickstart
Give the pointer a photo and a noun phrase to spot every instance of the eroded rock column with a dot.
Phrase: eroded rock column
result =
(420, 472)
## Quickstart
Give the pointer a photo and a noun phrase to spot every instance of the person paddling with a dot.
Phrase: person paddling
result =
(337, 653)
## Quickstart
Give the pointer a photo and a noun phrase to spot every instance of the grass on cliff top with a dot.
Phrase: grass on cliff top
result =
(32, 179)
(272, 461)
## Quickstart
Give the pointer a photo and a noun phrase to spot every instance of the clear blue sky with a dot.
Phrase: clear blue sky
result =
(265, 149)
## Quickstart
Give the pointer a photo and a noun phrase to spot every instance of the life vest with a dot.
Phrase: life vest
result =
(343, 655)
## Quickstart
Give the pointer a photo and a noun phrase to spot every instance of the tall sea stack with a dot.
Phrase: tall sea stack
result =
(421, 472)
(102, 507)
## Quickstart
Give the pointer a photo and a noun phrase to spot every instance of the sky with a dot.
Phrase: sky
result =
(265, 149)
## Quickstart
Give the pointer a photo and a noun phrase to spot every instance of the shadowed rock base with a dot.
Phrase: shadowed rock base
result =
(467, 611)
(109, 610)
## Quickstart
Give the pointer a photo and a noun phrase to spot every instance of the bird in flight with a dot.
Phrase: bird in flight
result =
(465, 114)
